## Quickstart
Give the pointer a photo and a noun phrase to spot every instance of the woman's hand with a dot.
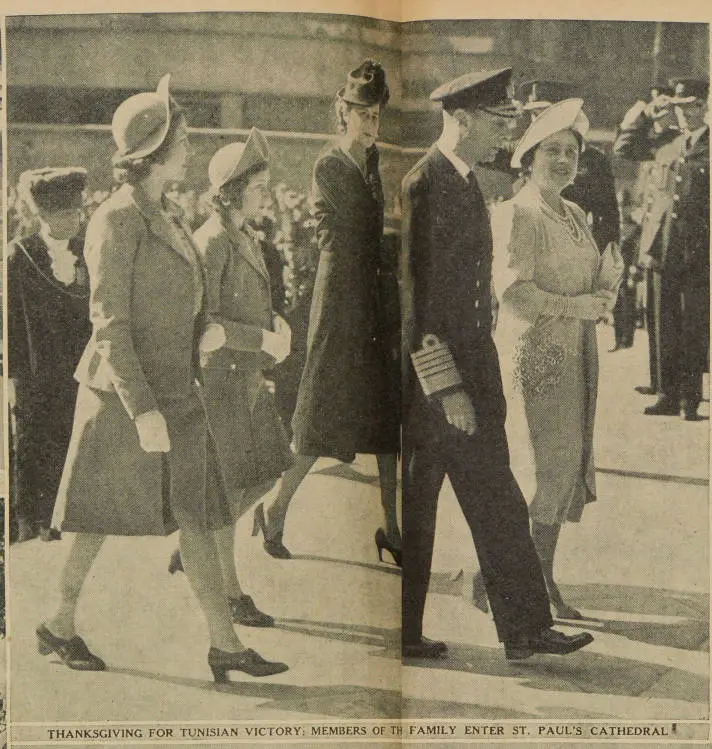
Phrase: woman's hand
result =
(276, 345)
(213, 338)
(460, 412)
(589, 306)
(153, 432)
(281, 328)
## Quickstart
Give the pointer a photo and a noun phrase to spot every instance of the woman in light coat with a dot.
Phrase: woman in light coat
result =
(554, 287)
(141, 459)
(251, 442)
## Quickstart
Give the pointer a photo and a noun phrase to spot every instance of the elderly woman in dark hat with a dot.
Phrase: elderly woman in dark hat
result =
(141, 459)
(554, 287)
(251, 442)
(48, 328)
(348, 399)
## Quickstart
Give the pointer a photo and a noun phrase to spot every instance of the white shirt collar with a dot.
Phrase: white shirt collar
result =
(54, 245)
(462, 167)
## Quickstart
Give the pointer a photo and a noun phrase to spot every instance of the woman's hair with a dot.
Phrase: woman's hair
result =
(341, 111)
(230, 195)
(528, 158)
(134, 171)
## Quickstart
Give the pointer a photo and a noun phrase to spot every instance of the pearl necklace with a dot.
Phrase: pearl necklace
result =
(568, 220)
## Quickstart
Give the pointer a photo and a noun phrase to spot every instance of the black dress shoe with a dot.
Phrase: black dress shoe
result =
(49, 534)
(244, 611)
(645, 390)
(73, 652)
(424, 648)
(664, 407)
(548, 641)
(249, 661)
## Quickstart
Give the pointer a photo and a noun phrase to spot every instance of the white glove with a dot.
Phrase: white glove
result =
(213, 338)
(153, 432)
(281, 327)
(275, 345)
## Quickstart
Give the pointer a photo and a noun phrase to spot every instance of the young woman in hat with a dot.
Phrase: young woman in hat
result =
(141, 459)
(251, 442)
(48, 328)
(554, 287)
(348, 399)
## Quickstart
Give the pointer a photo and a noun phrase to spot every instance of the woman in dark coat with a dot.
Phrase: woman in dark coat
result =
(48, 328)
(251, 443)
(141, 459)
(348, 399)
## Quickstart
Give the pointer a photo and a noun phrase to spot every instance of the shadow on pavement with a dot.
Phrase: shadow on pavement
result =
(690, 633)
(338, 700)
(359, 634)
(389, 569)
(585, 671)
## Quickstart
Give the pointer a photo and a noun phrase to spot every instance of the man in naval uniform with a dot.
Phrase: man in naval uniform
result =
(454, 409)
(674, 242)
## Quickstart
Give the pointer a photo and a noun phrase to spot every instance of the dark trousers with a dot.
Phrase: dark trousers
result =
(497, 515)
(681, 332)
(624, 314)
(651, 325)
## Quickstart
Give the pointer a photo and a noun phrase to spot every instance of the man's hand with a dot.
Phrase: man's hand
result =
(460, 412)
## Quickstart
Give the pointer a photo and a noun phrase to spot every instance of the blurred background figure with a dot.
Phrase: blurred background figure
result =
(672, 131)
(625, 311)
(48, 328)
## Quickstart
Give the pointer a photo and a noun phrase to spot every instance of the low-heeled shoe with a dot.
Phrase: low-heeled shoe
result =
(244, 611)
(248, 660)
(73, 652)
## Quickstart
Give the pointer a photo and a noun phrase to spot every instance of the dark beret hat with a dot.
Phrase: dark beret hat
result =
(488, 88)
(366, 85)
(54, 189)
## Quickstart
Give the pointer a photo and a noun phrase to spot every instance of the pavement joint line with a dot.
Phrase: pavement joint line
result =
(666, 477)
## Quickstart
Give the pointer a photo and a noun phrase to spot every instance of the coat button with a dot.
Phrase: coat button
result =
(674, 215)
(233, 367)
(676, 197)
(477, 285)
(477, 303)
(478, 324)
(678, 178)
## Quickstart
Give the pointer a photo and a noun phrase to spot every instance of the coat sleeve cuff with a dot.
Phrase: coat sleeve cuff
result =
(136, 400)
(435, 367)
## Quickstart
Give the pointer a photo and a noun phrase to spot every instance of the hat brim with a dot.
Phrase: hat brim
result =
(154, 141)
(564, 115)
(256, 143)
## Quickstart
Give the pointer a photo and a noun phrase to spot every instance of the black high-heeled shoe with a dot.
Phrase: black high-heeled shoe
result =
(272, 541)
(382, 543)
(249, 661)
(176, 563)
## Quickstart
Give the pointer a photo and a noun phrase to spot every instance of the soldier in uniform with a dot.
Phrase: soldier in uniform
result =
(454, 409)
(674, 242)
(48, 328)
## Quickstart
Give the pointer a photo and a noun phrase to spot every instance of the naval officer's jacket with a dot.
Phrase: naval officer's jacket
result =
(675, 225)
(446, 298)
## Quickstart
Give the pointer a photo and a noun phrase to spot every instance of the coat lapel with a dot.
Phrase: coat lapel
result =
(167, 225)
(248, 249)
